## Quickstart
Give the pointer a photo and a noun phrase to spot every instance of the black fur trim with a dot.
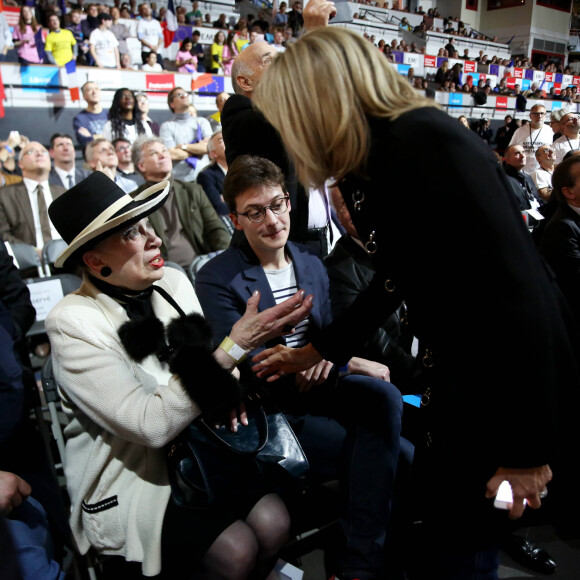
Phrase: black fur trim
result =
(212, 387)
(142, 337)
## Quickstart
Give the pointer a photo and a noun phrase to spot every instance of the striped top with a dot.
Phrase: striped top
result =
(283, 285)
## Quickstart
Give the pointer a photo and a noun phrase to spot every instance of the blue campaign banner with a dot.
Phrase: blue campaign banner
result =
(183, 31)
(525, 84)
(441, 60)
(403, 69)
(455, 99)
(40, 78)
(559, 78)
(398, 56)
(494, 69)
(217, 86)
(557, 105)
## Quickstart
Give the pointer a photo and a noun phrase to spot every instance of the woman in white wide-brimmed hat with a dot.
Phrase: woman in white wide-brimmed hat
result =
(125, 405)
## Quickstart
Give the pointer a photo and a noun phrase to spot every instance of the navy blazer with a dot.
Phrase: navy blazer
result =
(226, 282)
(54, 179)
(212, 180)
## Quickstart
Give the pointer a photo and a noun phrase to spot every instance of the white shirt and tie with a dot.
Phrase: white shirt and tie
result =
(33, 193)
(67, 177)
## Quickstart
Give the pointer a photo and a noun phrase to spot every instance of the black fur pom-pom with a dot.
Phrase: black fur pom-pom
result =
(142, 337)
(212, 387)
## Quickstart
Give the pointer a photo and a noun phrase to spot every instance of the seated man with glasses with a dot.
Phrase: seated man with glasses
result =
(532, 136)
(349, 425)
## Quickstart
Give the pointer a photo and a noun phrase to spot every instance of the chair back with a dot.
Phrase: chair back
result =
(199, 262)
(25, 257)
(51, 251)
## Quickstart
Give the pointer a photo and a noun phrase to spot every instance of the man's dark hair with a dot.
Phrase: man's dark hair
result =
(563, 177)
(248, 172)
(196, 33)
(170, 96)
(120, 140)
(56, 136)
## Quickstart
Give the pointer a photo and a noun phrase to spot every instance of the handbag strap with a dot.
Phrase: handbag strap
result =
(261, 424)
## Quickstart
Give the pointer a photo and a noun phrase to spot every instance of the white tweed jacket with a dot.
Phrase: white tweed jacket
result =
(121, 415)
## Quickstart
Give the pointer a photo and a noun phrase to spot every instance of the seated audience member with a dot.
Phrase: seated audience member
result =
(23, 206)
(195, 13)
(104, 45)
(126, 62)
(9, 170)
(143, 104)
(188, 225)
(443, 73)
(532, 136)
(149, 33)
(569, 127)
(121, 32)
(350, 271)
(60, 46)
(561, 235)
(340, 422)
(215, 120)
(123, 413)
(185, 136)
(213, 176)
(546, 158)
(463, 120)
(125, 167)
(125, 118)
(221, 22)
(101, 156)
(281, 18)
(30, 500)
(185, 60)
(521, 184)
(89, 123)
(24, 37)
(64, 171)
(278, 42)
(151, 64)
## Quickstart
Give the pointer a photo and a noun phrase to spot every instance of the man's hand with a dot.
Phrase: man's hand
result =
(13, 491)
(108, 171)
(317, 13)
(526, 484)
(280, 360)
(368, 368)
(313, 376)
(255, 328)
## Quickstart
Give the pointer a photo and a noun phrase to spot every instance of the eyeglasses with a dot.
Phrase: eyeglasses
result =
(123, 147)
(258, 214)
(536, 113)
(180, 95)
(42, 152)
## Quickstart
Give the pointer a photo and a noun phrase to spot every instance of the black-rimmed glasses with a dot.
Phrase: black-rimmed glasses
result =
(258, 214)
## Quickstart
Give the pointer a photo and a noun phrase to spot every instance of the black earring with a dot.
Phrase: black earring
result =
(106, 271)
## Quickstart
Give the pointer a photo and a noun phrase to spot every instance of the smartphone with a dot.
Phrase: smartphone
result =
(504, 498)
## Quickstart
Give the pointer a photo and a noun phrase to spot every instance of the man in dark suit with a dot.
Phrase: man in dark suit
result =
(23, 206)
(212, 177)
(188, 225)
(560, 243)
(349, 427)
(64, 172)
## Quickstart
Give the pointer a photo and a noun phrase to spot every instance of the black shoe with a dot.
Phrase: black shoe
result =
(529, 554)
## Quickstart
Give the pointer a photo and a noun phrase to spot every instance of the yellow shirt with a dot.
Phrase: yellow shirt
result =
(216, 50)
(60, 44)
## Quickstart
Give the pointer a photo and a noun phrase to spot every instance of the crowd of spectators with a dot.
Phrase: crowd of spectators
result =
(97, 34)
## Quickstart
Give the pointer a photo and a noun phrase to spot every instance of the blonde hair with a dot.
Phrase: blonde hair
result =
(340, 79)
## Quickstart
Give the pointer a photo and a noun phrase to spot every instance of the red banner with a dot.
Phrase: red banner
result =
(519, 73)
(576, 81)
(557, 87)
(470, 66)
(160, 83)
(550, 77)
(511, 82)
(430, 61)
(501, 102)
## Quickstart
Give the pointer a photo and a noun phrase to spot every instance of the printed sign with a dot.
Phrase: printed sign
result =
(470, 66)
(40, 78)
(501, 102)
(430, 61)
(44, 295)
(160, 83)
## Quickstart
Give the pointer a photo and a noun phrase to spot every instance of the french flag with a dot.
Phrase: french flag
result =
(72, 80)
(169, 25)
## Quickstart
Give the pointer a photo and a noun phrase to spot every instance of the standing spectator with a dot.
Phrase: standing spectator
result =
(546, 157)
(83, 43)
(217, 49)
(89, 123)
(149, 33)
(60, 46)
(295, 19)
(143, 104)
(198, 50)
(24, 36)
(125, 118)
(502, 139)
(229, 53)
(570, 128)
(195, 14)
(104, 45)
(91, 21)
(521, 184)
(185, 137)
(442, 73)
(185, 60)
(64, 173)
(120, 31)
(532, 136)
(281, 18)
(221, 22)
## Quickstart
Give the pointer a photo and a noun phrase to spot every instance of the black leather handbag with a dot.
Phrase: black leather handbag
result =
(208, 466)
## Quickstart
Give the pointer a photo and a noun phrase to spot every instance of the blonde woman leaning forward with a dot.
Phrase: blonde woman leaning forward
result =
(491, 329)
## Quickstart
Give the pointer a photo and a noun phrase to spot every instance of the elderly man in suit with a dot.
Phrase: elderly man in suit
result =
(64, 171)
(23, 206)
(212, 177)
(187, 224)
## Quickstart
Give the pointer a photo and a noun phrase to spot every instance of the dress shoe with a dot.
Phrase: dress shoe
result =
(529, 554)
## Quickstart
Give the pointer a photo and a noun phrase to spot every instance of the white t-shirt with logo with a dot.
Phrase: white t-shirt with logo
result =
(105, 43)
